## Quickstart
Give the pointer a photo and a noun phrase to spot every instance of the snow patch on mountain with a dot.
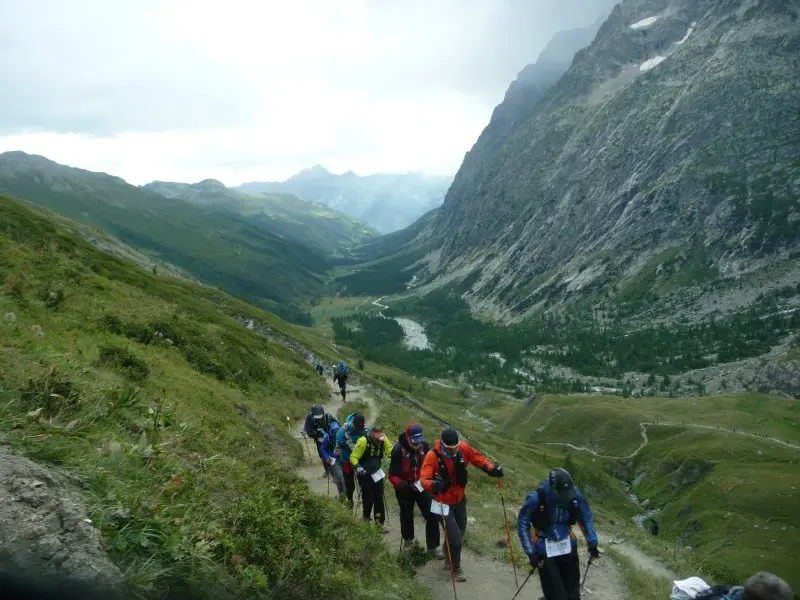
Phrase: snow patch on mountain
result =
(644, 23)
(651, 63)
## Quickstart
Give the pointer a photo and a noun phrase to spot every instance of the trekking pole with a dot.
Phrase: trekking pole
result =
(586, 573)
(308, 449)
(508, 531)
(358, 499)
(449, 558)
(523, 583)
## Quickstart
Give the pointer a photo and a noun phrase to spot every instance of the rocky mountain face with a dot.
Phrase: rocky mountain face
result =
(387, 202)
(662, 165)
(315, 225)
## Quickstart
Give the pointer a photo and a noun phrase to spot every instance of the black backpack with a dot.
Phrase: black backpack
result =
(461, 469)
(540, 519)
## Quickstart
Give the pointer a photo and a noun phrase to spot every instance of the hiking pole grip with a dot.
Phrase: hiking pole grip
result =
(508, 530)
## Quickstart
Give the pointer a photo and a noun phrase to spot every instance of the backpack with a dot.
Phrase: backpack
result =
(540, 519)
(461, 469)
(720, 592)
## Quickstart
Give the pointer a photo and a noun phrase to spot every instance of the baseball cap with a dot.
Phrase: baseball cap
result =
(414, 434)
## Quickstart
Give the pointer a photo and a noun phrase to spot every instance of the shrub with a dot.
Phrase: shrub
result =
(123, 361)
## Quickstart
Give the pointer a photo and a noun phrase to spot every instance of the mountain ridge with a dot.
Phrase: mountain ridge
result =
(326, 231)
(582, 194)
(388, 202)
(218, 248)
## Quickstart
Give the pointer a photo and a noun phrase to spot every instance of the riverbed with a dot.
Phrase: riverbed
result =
(414, 336)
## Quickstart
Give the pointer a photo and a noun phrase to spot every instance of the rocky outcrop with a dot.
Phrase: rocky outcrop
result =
(47, 541)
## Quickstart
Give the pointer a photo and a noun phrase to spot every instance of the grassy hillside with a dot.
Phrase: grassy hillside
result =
(727, 494)
(314, 225)
(221, 249)
(170, 418)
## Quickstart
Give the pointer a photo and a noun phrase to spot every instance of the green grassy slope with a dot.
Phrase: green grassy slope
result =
(731, 497)
(171, 418)
(314, 225)
(220, 249)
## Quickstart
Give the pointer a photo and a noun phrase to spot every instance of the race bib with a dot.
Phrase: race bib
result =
(558, 548)
(437, 508)
(378, 475)
(418, 485)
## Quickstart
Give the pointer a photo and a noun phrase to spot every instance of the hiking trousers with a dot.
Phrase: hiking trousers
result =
(372, 497)
(349, 482)
(561, 577)
(336, 473)
(456, 522)
(407, 498)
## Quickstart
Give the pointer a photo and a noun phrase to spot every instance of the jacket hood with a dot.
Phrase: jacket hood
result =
(402, 439)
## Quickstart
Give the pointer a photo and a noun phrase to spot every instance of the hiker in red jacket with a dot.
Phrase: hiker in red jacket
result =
(444, 475)
(404, 472)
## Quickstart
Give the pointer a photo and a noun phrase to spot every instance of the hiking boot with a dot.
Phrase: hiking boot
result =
(435, 553)
(325, 473)
(382, 528)
(459, 574)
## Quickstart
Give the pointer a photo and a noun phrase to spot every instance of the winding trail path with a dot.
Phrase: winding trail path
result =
(643, 429)
(487, 578)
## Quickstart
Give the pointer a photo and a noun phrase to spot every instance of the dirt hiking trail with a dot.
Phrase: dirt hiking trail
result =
(486, 578)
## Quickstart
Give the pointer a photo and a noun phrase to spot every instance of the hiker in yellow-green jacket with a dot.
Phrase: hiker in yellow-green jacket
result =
(367, 458)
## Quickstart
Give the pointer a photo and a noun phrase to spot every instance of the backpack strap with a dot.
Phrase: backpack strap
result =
(443, 472)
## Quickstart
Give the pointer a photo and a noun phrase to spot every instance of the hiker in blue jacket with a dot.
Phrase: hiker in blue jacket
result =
(545, 525)
(330, 456)
(317, 424)
(346, 438)
(340, 374)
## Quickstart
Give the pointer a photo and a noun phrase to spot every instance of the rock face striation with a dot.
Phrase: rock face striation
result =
(671, 144)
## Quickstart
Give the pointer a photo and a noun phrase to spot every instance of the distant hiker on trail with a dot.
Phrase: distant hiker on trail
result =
(340, 377)
(331, 455)
(405, 469)
(444, 475)
(320, 369)
(653, 527)
(317, 424)
(346, 439)
(551, 510)
(366, 458)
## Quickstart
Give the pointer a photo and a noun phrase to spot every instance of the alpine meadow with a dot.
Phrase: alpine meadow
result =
(319, 301)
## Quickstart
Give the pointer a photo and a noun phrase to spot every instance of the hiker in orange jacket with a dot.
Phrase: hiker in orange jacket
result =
(444, 475)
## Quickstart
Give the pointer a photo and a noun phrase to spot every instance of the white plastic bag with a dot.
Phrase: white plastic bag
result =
(687, 589)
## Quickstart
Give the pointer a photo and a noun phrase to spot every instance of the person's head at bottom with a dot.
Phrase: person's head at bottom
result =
(766, 586)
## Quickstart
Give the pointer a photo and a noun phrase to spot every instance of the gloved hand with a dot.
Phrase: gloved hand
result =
(496, 472)
(360, 471)
(331, 461)
(534, 560)
(438, 485)
(593, 551)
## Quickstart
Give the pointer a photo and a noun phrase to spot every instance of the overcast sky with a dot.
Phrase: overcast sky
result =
(257, 90)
